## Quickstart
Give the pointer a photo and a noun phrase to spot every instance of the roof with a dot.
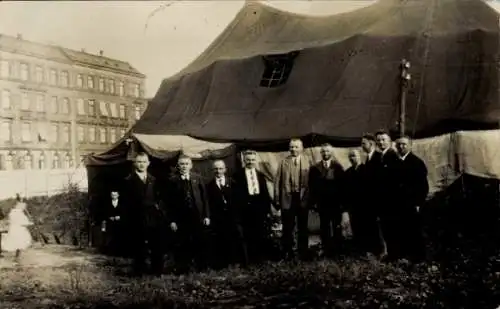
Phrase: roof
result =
(345, 80)
(65, 55)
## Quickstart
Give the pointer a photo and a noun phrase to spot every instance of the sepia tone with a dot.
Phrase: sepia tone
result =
(250, 154)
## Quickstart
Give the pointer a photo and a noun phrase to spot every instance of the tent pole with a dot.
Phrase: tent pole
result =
(405, 78)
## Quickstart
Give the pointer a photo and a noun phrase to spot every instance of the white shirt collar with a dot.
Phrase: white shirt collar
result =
(185, 177)
(142, 175)
(404, 156)
(385, 151)
(221, 179)
(114, 202)
(327, 162)
(370, 154)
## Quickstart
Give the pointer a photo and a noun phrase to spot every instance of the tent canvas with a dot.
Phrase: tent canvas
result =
(344, 82)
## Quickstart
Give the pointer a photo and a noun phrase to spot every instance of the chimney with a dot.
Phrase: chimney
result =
(19, 36)
(101, 52)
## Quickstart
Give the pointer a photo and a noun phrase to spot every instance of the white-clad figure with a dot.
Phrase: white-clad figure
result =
(18, 236)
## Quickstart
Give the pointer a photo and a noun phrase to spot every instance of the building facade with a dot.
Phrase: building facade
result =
(57, 104)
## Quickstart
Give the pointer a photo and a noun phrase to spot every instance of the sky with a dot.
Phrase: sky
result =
(158, 38)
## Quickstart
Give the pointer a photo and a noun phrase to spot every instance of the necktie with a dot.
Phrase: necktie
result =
(254, 182)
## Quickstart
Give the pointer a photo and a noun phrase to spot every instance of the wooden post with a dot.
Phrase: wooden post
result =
(405, 78)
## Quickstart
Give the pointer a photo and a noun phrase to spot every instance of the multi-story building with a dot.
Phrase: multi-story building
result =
(58, 104)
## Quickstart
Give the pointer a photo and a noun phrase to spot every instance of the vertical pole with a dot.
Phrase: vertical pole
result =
(405, 78)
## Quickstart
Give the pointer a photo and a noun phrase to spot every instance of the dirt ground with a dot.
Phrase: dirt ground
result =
(50, 256)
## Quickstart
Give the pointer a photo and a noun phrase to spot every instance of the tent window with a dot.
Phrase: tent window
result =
(277, 69)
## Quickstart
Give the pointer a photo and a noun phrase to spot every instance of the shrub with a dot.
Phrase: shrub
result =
(61, 218)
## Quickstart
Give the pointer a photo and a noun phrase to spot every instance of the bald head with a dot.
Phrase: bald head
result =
(354, 157)
(219, 168)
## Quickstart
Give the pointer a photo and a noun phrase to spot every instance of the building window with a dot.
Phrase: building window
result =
(39, 74)
(81, 134)
(92, 107)
(53, 77)
(277, 69)
(5, 69)
(65, 106)
(8, 162)
(42, 132)
(121, 89)
(40, 103)
(64, 78)
(28, 161)
(137, 112)
(67, 161)
(122, 111)
(79, 81)
(112, 135)
(92, 134)
(54, 132)
(55, 160)
(80, 106)
(103, 109)
(90, 82)
(25, 101)
(25, 73)
(111, 86)
(41, 161)
(6, 104)
(101, 84)
(114, 110)
(102, 135)
(6, 134)
(26, 132)
(54, 108)
(136, 90)
(65, 134)
(122, 132)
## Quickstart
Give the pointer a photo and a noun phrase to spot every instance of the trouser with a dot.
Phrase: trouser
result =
(191, 246)
(366, 232)
(227, 245)
(113, 238)
(296, 214)
(330, 230)
(255, 230)
(148, 243)
(403, 235)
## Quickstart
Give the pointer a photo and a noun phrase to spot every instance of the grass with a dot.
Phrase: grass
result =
(466, 281)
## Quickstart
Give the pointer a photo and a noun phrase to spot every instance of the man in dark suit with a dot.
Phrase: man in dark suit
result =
(325, 191)
(291, 194)
(369, 234)
(227, 236)
(111, 221)
(188, 214)
(411, 193)
(144, 216)
(253, 201)
(385, 161)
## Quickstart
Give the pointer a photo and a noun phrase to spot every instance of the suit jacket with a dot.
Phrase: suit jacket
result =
(220, 200)
(242, 199)
(108, 210)
(143, 201)
(323, 191)
(411, 180)
(353, 186)
(282, 186)
(177, 210)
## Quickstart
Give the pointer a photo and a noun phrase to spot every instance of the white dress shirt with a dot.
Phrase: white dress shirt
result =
(142, 176)
(185, 177)
(114, 203)
(253, 182)
(220, 181)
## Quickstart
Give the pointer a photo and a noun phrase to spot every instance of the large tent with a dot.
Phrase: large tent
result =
(344, 82)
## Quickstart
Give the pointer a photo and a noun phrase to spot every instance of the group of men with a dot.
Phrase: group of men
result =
(227, 220)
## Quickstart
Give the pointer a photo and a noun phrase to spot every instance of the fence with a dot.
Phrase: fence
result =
(40, 182)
